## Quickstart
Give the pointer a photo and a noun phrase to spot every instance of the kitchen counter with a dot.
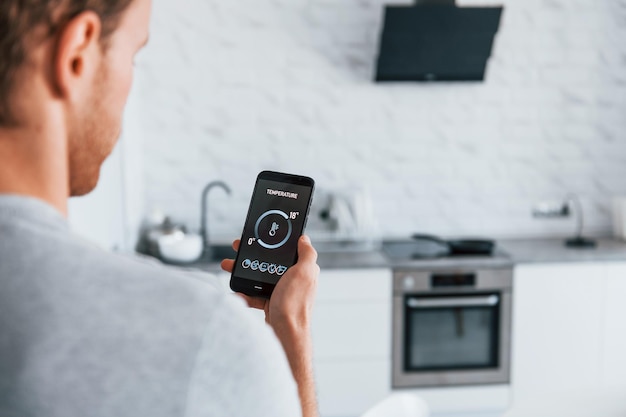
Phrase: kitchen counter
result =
(555, 251)
(377, 259)
(511, 252)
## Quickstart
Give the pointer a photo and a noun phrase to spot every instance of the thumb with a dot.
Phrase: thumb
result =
(306, 251)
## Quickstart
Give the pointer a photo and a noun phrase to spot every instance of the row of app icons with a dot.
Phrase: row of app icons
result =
(264, 267)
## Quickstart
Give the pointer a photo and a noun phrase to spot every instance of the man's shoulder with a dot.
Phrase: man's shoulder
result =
(135, 267)
(134, 273)
(145, 267)
(88, 274)
(238, 359)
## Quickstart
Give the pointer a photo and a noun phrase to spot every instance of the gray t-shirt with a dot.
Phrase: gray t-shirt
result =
(84, 332)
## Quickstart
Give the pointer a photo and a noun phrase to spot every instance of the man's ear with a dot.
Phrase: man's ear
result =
(77, 53)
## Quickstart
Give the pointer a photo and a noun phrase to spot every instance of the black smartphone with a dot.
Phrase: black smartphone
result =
(269, 243)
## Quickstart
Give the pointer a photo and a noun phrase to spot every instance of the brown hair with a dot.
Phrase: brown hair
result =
(20, 18)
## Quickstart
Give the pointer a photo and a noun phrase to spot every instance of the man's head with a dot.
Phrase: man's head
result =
(69, 64)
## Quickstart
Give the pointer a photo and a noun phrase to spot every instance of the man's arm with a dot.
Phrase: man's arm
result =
(289, 312)
(297, 346)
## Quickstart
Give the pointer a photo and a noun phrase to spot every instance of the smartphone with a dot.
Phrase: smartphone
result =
(276, 219)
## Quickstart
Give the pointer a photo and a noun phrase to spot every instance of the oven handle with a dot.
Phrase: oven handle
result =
(479, 301)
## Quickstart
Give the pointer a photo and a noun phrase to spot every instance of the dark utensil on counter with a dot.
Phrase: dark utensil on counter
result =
(458, 247)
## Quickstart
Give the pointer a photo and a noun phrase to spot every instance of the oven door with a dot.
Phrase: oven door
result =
(451, 339)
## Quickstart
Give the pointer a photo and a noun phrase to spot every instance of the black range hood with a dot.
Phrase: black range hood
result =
(436, 41)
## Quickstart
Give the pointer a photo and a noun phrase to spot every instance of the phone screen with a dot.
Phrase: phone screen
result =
(275, 222)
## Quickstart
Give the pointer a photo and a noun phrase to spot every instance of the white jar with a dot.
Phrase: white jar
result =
(619, 217)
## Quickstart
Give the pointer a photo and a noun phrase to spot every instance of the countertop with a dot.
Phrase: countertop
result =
(510, 252)
(554, 251)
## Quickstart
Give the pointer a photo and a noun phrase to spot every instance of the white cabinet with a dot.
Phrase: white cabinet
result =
(354, 330)
(569, 340)
(614, 346)
(348, 388)
(352, 340)
(557, 332)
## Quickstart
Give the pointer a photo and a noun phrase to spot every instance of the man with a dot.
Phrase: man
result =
(84, 332)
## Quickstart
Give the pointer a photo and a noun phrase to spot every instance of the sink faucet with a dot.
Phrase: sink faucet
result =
(204, 231)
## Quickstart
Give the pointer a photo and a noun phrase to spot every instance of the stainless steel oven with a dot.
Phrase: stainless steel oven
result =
(451, 326)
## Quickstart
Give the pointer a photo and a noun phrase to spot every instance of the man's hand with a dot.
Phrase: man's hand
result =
(291, 303)
(289, 312)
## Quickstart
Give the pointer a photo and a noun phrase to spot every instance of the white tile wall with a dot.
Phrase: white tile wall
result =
(233, 87)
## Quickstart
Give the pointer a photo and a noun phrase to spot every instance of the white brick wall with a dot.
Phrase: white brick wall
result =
(233, 87)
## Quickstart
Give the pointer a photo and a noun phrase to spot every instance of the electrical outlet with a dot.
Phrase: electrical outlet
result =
(550, 209)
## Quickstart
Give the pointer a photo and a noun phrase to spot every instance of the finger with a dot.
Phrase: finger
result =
(236, 245)
(253, 302)
(306, 251)
(228, 265)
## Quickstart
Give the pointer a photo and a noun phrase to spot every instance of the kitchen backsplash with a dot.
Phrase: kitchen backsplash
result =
(229, 88)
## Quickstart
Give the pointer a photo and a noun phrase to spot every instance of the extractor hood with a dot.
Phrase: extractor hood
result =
(436, 41)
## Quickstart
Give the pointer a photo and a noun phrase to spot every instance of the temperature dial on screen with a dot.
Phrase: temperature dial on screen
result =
(273, 229)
